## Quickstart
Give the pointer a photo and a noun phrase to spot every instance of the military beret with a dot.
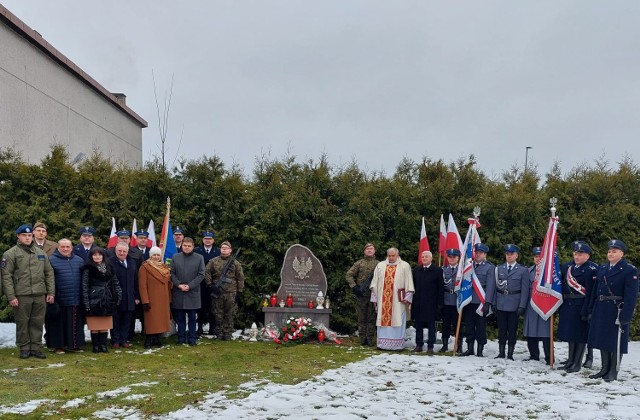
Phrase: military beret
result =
(178, 231)
(208, 234)
(142, 233)
(226, 243)
(40, 225)
(536, 250)
(368, 244)
(24, 229)
(616, 243)
(482, 248)
(511, 248)
(453, 252)
(123, 232)
(87, 230)
(581, 246)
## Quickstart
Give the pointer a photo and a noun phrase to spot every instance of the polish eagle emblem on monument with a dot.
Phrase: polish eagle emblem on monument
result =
(302, 267)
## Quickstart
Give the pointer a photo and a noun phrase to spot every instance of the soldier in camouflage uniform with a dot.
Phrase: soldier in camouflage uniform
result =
(226, 304)
(357, 275)
(28, 282)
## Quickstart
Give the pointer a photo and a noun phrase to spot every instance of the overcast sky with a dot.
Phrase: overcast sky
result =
(370, 81)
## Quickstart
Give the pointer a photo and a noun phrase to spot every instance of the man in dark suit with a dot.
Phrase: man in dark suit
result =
(208, 250)
(87, 237)
(429, 296)
(126, 271)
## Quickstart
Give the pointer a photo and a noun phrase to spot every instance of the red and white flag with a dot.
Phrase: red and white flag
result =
(442, 240)
(424, 243)
(113, 238)
(134, 229)
(546, 290)
(453, 236)
(152, 234)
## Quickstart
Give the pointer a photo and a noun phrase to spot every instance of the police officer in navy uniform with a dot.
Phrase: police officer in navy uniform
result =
(208, 250)
(535, 328)
(87, 238)
(578, 278)
(510, 299)
(611, 307)
(476, 324)
(142, 238)
(450, 308)
(178, 237)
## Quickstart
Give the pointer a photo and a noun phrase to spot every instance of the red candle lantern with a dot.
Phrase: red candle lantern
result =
(310, 304)
(321, 336)
(274, 299)
(289, 300)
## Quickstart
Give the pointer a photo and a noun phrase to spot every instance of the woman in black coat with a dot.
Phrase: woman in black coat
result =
(101, 295)
(429, 296)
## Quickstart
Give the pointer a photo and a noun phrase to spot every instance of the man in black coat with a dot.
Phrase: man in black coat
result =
(126, 270)
(429, 295)
(208, 250)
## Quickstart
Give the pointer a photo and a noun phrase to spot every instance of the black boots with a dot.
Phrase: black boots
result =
(588, 361)
(572, 349)
(612, 375)
(574, 363)
(501, 354)
(147, 341)
(103, 342)
(95, 341)
(479, 352)
(604, 355)
(510, 352)
(445, 344)
(469, 351)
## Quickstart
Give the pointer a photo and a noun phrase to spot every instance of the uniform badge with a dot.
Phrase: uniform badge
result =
(3, 263)
(41, 257)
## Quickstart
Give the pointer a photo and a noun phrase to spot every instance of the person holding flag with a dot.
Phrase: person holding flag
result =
(536, 328)
(510, 299)
(578, 278)
(449, 309)
(611, 307)
(475, 313)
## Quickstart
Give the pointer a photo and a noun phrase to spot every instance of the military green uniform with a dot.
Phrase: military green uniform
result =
(28, 276)
(224, 306)
(358, 274)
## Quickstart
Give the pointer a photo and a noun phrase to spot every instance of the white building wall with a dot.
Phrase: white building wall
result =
(41, 104)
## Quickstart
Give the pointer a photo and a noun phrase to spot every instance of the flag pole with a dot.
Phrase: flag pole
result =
(553, 201)
(455, 344)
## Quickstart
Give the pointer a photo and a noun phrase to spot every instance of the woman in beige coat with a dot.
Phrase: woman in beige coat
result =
(154, 281)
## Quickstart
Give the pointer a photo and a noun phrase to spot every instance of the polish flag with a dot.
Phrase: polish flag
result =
(453, 237)
(113, 238)
(442, 241)
(134, 229)
(424, 243)
(152, 234)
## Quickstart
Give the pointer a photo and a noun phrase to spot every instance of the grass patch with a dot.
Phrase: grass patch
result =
(170, 378)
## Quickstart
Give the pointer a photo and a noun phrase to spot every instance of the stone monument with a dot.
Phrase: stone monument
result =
(301, 276)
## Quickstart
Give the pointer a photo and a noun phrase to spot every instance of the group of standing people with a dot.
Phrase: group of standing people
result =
(62, 287)
(598, 304)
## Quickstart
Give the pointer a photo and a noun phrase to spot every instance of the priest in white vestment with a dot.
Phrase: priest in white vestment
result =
(392, 292)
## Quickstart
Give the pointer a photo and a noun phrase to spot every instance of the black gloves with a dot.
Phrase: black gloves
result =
(521, 311)
(147, 307)
(586, 318)
(238, 294)
(486, 308)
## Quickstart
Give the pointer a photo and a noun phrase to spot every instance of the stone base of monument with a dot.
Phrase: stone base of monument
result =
(280, 316)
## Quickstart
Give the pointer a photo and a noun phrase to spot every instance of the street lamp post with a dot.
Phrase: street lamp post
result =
(526, 158)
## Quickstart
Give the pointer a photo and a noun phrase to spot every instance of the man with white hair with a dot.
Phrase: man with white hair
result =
(392, 292)
(126, 271)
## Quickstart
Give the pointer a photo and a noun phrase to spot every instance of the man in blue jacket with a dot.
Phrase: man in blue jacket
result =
(64, 322)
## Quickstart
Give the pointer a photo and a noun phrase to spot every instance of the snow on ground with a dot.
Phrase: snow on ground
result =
(410, 386)
(404, 385)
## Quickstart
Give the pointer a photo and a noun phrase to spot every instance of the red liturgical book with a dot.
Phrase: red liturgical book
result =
(401, 295)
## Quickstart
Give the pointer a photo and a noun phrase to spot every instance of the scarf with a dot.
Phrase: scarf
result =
(160, 266)
(102, 267)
